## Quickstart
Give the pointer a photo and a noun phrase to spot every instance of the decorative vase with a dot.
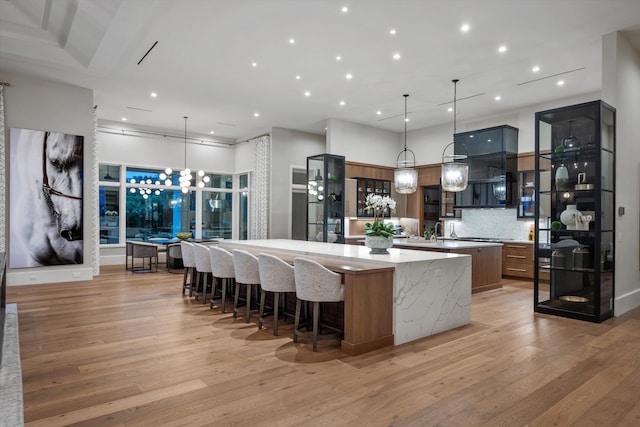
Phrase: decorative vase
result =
(378, 244)
(562, 178)
(568, 216)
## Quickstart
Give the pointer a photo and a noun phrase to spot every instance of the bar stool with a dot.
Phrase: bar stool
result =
(248, 275)
(315, 283)
(189, 263)
(222, 268)
(275, 276)
(203, 266)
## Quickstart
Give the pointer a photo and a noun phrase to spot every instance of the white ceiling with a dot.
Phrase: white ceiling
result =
(201, 65)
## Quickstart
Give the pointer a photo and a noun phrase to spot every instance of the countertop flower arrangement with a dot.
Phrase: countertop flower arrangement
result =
(378, 204)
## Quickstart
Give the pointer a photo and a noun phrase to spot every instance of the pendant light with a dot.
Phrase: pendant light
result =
(185, 174)
(455, 170)
(405, 175)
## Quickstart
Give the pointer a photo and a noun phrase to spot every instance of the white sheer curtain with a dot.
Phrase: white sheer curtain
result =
(260, 188)
(95, 220)
(3, 193)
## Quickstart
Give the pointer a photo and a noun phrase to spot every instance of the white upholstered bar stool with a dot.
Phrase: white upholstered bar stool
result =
(203, 268)
(189, 263)
(222, 268)
(315, 283)
(276, 276)
(247, 275)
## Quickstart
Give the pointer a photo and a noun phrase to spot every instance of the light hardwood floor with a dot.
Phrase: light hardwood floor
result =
(129, 350)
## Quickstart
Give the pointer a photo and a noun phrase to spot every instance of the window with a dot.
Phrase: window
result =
(147, 208)
(217, 214)
(109, 205)
(243, 217)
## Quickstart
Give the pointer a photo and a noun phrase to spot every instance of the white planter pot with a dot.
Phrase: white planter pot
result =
(378, 244)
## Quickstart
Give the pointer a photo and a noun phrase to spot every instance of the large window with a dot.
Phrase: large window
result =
(136, 204)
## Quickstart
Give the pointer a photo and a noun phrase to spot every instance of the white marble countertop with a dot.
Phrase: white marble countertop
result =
(349, 252)
(447, 244)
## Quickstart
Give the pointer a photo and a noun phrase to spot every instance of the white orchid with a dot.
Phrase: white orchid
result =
(379, 204)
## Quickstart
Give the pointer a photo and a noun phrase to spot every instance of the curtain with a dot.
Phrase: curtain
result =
(95, 218)
(3, 193)
(260, 188)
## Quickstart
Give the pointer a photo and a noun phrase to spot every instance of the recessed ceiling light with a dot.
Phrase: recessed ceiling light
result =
(154, 95)
(349, 76)
(560, 82)
(497, 98)
(124, 119)
(345, 9)
(211, 132)
(465, 28)
(535, 69)
(256, 114)
(292, 41)
(488, 140)
(379, 113)
(297, 77)
(307, 93)
(396, 56)
(338, 58)
(450, 109)
(254, 64)
(392, 31)
(342, 102)
(407, 120)
(502, 49)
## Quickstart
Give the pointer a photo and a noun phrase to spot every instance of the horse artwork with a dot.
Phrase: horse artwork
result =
(46, 183)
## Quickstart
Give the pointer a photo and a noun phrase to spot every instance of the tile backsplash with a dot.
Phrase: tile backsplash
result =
(491, 223)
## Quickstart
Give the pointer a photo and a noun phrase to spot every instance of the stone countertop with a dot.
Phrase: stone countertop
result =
(446, 244)
(345, 252)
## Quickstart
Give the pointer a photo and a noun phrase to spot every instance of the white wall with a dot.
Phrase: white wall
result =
(245, 153)
(43, 105)
(364, 144)
(158, 152)
(621, 89)
(288, 148)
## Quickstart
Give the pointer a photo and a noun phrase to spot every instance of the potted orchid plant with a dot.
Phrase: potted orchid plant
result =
(378, 235)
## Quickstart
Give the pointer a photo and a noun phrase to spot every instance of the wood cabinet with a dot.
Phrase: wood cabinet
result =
(486, 264)
(517, 260)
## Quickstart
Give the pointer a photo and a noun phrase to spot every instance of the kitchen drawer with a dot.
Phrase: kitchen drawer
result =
(517, 260)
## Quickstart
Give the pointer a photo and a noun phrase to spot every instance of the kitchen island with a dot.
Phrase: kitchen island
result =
(389, 299)
(486, 258)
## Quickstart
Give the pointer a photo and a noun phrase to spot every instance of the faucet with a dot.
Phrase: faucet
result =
(435, 230)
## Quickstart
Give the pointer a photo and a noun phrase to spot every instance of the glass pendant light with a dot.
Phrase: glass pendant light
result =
(455, 170)
(405, 176)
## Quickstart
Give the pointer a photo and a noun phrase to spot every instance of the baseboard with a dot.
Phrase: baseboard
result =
(57, 274)
(626, 302)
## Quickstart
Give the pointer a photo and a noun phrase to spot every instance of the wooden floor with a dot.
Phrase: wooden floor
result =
(129, 350)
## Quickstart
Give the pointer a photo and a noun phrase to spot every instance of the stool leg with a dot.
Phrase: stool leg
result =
(276, 301)
(316, 315)
(205, 282)
(248, 313)
(235, 300)
(225, 283)
(263, 296)
(296, 323)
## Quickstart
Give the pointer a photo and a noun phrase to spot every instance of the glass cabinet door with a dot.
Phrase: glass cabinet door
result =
(575, 214)
(325, 198)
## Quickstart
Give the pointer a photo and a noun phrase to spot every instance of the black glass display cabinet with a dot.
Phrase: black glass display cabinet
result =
(325, 198)
(493, 165)
(366, 186)
(575, 218)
